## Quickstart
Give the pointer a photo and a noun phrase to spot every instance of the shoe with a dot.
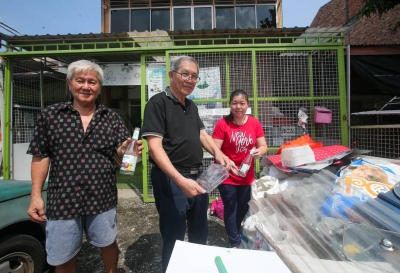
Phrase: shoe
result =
(237, 247)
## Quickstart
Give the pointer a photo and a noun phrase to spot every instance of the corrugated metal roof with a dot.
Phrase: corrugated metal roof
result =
(176, 34)
(43, 39)
(321, 32)
(236, 33)
(162, 38)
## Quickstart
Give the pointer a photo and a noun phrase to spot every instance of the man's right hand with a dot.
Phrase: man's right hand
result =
(36, 210)
(190, 187)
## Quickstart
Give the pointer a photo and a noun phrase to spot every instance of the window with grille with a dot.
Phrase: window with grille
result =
(243, 17)
(140, 19)
(266, 16)
(160, 19)
(192, 18)
(119, 20)
(225, 17)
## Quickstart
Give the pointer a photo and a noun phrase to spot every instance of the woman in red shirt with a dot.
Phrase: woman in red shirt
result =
(236, 134)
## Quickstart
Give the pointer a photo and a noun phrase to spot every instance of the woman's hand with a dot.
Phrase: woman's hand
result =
(234, 169)
(256, 153)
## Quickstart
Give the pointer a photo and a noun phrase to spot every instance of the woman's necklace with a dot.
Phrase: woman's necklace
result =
(240, 125)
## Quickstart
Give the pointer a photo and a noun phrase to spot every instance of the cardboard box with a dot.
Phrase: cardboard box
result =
(297, 156)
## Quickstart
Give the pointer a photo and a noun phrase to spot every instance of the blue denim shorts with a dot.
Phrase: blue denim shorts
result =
(64, 237)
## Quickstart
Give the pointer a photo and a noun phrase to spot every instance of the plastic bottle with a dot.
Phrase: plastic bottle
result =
(246, 163)
(129, 160)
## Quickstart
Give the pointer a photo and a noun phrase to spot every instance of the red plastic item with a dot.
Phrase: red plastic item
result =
(217, 207)
(301, 141)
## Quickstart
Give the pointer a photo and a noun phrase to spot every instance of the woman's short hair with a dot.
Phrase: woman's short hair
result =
(84, 66)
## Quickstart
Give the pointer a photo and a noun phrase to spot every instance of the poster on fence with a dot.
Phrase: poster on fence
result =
(156, 79)
(209, 86)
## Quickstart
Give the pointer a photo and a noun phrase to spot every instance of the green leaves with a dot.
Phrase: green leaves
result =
(379, 7)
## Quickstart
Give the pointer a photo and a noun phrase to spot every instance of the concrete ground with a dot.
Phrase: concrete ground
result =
(139, 239)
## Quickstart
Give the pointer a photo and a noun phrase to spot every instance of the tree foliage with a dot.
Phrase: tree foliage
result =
(380, 7)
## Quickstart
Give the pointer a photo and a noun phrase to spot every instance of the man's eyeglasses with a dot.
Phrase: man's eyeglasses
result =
(186, 76)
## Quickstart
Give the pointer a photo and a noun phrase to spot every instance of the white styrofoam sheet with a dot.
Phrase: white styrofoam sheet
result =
(195, 258)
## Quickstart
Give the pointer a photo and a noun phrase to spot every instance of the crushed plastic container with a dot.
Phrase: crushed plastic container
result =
(212, 177)
(319, 229)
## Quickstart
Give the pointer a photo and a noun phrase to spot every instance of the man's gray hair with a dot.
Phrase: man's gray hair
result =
(176, 62)
(85, 66)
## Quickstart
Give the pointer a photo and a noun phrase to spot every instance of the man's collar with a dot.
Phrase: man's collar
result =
(68, 105)
(172, 96)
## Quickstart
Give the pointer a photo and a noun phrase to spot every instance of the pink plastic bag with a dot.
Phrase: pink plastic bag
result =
(217, 207)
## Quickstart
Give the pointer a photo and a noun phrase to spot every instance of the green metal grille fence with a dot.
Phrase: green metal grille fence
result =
(281, 75)
(279, 83)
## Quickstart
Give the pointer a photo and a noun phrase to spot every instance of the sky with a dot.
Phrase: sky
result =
(41, 17)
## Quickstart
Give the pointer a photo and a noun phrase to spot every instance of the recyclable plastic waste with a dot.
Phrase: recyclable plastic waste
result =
(212, 177)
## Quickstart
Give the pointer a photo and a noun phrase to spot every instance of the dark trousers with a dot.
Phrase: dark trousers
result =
(175, 209)
(235, 199)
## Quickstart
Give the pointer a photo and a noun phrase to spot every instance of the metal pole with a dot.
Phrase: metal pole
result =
(348, 71)
(348, 86)
(7, 122)
(41, 89)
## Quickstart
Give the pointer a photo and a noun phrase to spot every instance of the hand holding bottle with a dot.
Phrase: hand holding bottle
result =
(246, 163)
(234, 169)
(124, 146)
(129, 160)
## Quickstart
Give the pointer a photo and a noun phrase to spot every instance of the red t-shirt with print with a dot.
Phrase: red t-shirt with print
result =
(237, 143)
